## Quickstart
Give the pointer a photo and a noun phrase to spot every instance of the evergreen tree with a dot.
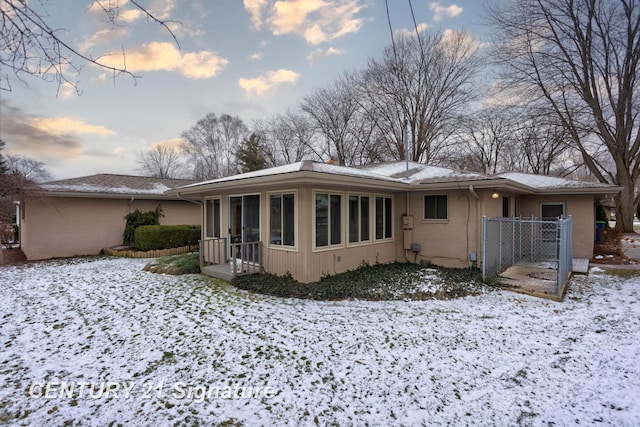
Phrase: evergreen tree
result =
(250, 156)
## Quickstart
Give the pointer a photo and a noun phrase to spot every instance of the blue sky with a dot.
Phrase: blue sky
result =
(252, 59)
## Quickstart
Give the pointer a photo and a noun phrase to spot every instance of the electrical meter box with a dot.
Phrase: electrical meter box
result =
(407, 222)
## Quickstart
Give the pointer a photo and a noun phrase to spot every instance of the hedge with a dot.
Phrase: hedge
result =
(151, 237)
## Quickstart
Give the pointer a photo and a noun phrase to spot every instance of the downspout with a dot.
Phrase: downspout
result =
(129, 204)
(406, 252)
(478, 222)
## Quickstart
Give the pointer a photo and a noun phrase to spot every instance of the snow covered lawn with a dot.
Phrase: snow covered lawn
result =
(68, 328)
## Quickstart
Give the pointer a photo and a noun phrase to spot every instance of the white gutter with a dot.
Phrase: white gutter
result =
(195, 202)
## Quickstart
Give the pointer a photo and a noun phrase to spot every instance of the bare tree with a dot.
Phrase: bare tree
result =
(211, 145)
(287, 138)
(423, 80)
(483, 138)
(13, 187)
(579, 58)
(334, 110)
(233, 133)
(31, 46)
(161, 161)
(543, 146)
(28, 168)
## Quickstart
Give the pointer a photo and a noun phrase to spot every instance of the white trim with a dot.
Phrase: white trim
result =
(371, 216)
(206, 199)
(296, 235)
(242, 195)
(424, 210)
(393, 208)
(329, 246)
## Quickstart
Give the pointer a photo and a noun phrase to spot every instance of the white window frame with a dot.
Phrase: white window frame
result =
(206, 228)
(424, 210)
(282, 247)
(383, 239)
(371, 229)
(342, 220)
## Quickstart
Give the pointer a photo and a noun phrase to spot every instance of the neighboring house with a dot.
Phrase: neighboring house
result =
(81, 216)
(311, 219)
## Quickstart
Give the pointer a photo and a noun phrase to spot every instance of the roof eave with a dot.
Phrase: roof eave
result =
(292, 178)
(601, 191)
(501, 184)
(102, 195)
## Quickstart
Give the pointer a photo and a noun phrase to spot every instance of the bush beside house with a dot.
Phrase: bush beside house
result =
(152, 237)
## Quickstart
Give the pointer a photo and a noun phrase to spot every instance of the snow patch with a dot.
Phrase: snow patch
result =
(496, 359)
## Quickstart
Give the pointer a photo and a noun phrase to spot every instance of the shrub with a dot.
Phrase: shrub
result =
(188, 263)
(137, 219)
(380, 282)
(151, 237)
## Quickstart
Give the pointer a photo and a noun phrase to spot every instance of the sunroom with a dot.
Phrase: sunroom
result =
(311, 219)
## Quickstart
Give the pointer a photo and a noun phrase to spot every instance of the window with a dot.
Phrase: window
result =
(435, 207)
(328, 224)
(551, 210)
(384, 217)
(212, 218)
(282, 220)
(358, 219)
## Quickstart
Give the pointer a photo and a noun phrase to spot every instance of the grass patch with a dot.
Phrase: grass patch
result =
(380, 282)
(188, 263)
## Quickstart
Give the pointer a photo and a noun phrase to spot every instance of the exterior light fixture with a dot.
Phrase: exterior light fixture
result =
(495, 195)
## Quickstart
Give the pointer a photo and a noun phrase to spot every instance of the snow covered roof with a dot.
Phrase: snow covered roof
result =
(303, 166)
(396, 175)
(109, 184)
(541, 182)
(421, 173)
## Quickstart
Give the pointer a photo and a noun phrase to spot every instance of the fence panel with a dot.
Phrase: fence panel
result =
(510, 241)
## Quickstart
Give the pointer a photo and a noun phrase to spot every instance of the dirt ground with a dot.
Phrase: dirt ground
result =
(625, 251)
(12, 256)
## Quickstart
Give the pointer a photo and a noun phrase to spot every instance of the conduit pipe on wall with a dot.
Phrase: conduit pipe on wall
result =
(472, 191)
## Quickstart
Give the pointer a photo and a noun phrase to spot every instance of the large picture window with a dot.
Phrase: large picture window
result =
(435, 207)
(384, 217)
(212, 218)
(282, 220)
(358, 218)
(328, 226)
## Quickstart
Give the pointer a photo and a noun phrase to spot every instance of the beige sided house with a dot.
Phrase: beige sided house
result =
(81, 216)
(311, 219)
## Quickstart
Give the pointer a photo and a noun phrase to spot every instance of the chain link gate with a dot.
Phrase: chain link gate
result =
(509, 241)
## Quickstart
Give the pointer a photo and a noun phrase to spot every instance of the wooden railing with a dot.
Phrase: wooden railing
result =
(246, 258)
(213, 251)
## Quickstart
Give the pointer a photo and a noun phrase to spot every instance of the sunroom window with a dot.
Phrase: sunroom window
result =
(282, 220)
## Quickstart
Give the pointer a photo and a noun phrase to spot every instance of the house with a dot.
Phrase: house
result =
(310, 219)
(81, 216)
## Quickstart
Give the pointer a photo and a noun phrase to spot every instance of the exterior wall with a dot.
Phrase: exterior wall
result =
(447, 242)
(580, 208)
(64, 227)
(305, 263)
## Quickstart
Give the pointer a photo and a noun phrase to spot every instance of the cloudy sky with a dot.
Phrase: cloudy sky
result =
(251, 59)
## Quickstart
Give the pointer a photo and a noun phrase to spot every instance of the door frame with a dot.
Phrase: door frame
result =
(242, 216)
